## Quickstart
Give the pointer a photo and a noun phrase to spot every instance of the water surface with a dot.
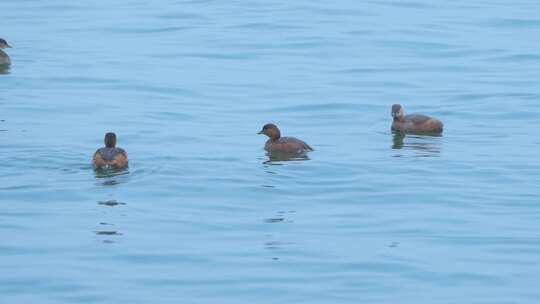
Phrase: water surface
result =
(204, 216)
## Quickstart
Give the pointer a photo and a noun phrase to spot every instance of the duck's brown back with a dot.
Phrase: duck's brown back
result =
(287, 145)
(416, 118)
(110, 158)
(418, 123)
(109, 154)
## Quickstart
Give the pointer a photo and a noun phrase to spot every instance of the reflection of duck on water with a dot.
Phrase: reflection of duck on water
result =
(398, 140)
(108, 229)
(424, 145)
(279, 156)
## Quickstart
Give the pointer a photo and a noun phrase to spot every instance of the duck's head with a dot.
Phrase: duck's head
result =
(271, 130)
(397, 111)
(110, 140)
(4, 44)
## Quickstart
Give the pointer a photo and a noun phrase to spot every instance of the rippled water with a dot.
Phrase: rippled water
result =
(203, 216)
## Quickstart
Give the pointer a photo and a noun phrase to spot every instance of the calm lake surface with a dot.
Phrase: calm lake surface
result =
(203, 216)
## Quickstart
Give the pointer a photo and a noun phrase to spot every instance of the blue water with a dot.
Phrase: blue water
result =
(203, 216)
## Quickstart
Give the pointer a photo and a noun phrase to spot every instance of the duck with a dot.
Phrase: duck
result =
(110, 156)
(4, 58)
(414, 123)
(278, 144)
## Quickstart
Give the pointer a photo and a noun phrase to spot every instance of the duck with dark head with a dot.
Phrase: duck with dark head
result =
(414, 123)
(110, 156)
(278, 144)
(4, 58)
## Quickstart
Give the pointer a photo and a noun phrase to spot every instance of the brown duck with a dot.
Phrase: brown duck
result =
(414, 123)
(278, 144)
(110, 156)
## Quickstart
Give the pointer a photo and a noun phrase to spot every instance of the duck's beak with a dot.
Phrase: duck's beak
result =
(260, 132)
(8, 46)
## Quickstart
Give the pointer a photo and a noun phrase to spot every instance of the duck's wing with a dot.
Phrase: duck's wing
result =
(417, 118)
(295, 144)
(121, 160)
(122, 152)
(97, 159)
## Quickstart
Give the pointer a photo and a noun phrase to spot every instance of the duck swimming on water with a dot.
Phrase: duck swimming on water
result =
(414, 123)
(4, 58)
(110, 156)
(278, 144)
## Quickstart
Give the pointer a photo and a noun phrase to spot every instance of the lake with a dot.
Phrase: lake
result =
(204, 216)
